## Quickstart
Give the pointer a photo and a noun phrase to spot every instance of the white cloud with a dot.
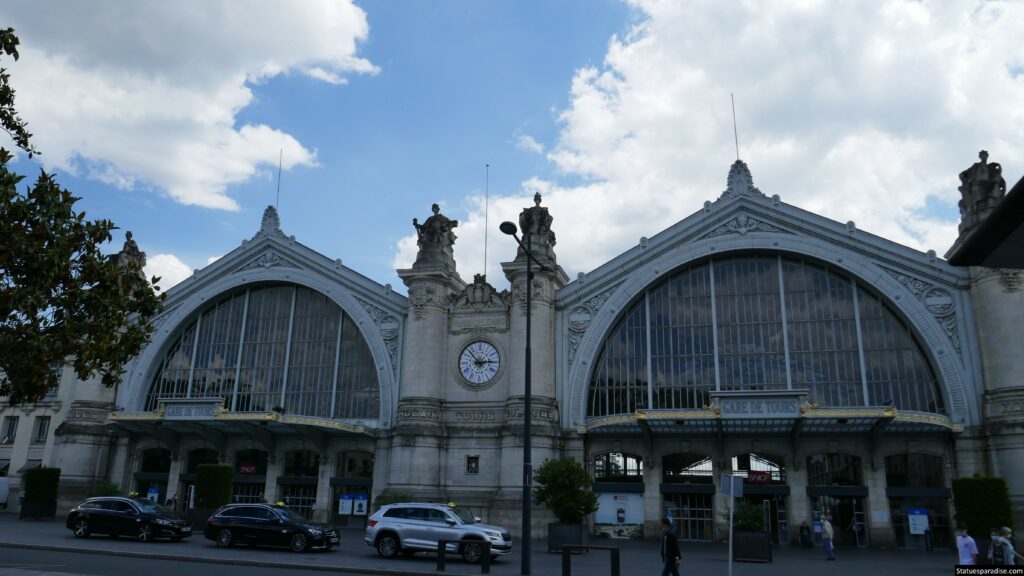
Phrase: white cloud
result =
(862, 111)
(212, 259)
(527, 143)
(169, 268)
(150, 92)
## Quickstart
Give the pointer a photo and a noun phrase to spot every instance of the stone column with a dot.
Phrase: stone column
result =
(879, 532)
(799, 503)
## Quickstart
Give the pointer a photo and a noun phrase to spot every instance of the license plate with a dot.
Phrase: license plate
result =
(335, 539)
(186, 529)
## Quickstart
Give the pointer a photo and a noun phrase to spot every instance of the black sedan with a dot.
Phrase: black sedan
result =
(262, 524)
(117, 516)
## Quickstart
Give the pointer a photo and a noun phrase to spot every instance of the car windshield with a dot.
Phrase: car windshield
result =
(290, 515)
(153, 507)
(464, 516)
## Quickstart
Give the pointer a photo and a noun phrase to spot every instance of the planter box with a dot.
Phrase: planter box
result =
(38, 510)
(197, 517)
(565, 535)
(752, 547)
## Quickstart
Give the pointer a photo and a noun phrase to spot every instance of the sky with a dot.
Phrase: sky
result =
(170, 118)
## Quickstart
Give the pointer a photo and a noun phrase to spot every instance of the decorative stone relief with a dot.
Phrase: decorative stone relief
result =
(937, 301)
(479, 308)
(1009, 280)
(268, 259)
(388, 326)
(421, 296)
(743, 224)
(740, 182)
(539, 293)
(581, 316)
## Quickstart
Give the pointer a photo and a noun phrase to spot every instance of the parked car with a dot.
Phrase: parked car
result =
(266, 525)
(413, 527)
(118, 516)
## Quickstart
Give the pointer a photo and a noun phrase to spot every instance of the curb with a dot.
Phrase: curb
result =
(231, 561)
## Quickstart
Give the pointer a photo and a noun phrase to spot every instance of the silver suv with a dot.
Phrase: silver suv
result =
(417, 527)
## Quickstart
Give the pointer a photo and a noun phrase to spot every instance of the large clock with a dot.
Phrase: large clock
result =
(479, 362)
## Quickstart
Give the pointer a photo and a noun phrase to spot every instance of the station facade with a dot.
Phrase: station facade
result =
(835, 370)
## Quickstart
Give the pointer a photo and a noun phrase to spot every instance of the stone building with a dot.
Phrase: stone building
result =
(835, 370)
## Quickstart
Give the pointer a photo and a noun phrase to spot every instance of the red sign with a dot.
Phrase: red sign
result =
(759, 477)
(247, 468)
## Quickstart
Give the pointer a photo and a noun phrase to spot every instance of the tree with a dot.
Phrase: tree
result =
(61, 298)
(565, 490)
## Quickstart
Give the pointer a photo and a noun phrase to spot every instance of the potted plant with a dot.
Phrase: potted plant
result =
(40, 489)
(564, 487)
(751, 540)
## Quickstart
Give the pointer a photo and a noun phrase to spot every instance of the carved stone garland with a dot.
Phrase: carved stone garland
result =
(388, 326)
(581, 316)
(938, 301)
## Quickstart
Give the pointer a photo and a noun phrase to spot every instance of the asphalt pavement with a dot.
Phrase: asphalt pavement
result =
(41, 547)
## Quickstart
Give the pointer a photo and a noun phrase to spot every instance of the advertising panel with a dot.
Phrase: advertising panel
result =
(619, 515)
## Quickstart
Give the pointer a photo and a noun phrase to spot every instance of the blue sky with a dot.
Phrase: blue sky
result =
(168, 118)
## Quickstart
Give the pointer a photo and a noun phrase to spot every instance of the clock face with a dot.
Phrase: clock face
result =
(479, 362)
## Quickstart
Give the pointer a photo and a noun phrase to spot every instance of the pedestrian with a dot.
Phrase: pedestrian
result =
(998, 549)
(1012, 556)
(669, 549)
(826, 538)
(805, 534)
(966, 547)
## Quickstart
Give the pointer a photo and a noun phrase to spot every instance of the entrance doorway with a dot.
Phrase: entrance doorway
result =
(775, 511)
(693, 516)
(847, 517)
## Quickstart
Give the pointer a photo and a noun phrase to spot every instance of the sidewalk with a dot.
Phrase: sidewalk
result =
(637, 557)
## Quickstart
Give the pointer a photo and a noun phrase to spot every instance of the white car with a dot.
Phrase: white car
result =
(417, 527)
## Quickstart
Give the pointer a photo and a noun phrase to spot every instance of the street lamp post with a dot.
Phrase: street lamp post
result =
(510, 229)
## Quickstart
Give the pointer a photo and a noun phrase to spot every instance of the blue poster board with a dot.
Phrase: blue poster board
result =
(917, 519)
(345, 504)
(360, 503)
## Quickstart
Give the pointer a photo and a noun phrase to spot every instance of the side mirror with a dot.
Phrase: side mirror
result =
(450, 521)
(477, 519)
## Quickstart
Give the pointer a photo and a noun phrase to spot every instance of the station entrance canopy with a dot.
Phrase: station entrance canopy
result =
(770, 412)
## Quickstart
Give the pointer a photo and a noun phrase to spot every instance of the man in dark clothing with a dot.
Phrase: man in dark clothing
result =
(669, 549)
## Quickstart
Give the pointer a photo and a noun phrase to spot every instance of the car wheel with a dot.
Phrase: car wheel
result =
(81, 528)
(472, 552)
(225, 538)
(145, 532)
(388, 546)
(298, 542)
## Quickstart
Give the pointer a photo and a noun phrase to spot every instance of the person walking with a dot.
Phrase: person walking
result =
(1010, 554)
(826, 537)
(966, 547)
(669, 549)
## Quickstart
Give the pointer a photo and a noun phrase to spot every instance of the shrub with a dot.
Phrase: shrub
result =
(104, 488)
(746, 516)
(982, 502)
(41, 484)
(565, 490)
(213, 485)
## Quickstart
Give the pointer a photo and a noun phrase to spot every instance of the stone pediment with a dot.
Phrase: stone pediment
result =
(479, 308)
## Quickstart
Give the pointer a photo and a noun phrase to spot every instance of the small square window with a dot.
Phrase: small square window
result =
(472, 464)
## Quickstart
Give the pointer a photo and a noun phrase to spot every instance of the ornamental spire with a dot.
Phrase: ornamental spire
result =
(740, 182)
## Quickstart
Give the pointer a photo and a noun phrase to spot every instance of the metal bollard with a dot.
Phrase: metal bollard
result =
(485, 558)
(567, 558)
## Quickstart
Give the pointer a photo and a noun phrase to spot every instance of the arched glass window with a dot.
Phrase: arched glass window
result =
(354, 464)
(200, 456)
(915, 471)
(301, 463)
(757, 311)
(760, 468)
(618, 467)
(834, 470)
(687, 468)
(251, 462)
(272, 347)
(155, 461)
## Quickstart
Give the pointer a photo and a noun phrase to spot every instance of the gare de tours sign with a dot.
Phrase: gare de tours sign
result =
(757, 405)
(191, 409)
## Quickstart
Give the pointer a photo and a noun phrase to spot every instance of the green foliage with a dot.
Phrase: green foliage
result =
(104, 488)
(213, 485)
(565, 490)
(746, 517)
(60, 297)
(41, 484)
(982, 502)
(389, 496)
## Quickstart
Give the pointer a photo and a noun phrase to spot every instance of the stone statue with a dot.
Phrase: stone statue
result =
(131, 250)
(435, 239)
(982, 187)
(536, 222)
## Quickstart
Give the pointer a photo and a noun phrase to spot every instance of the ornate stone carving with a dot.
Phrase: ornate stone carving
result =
(743, 224)
(435, 239)
(271, 223)
(1009, 280)
(479, 295)
(421, 296)
(982, 188)
(740, 182)
(479, 308)
(389, 328)
(268, 259)
(535, 223)
(937, 301)
(581, 316)
(539, 293)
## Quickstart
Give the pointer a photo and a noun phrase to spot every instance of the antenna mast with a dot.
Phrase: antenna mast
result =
(735, 132)
(487, 225)
(280, 157)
